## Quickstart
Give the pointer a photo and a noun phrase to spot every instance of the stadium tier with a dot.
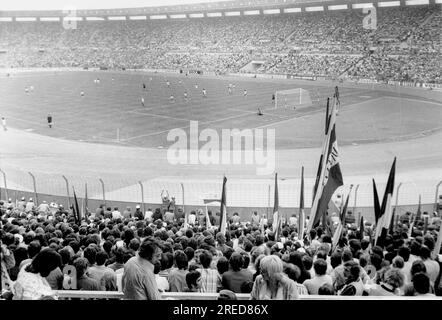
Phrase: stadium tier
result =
(328, 44)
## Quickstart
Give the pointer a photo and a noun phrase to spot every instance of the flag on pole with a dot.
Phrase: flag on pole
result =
(301, 218)
(223, 210)
(76, 208)
(392, 222)
(330, 177)
(86, 208)
(321, 158)
(377, 206)
(410, 229)
(208, 223)
(338, 231)
(276, 218)
(361, 229)
(419, 210)
(384, 221)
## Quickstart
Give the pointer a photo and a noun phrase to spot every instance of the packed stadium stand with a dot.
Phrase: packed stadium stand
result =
(329, 43)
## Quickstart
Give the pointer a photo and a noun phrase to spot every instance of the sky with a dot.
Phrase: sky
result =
(90, 4)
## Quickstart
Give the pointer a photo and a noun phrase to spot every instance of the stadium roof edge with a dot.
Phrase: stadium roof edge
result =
(221, 6)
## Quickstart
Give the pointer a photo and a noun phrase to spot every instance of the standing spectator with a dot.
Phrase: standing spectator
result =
(255, 219)
(116, 214)
(4, 124)
(138, 214)
(43, 209)
(148, 215)
(127, 214)
(236, 218)
(30, 205)
(169, 217)
(272, 283)
(138, 278)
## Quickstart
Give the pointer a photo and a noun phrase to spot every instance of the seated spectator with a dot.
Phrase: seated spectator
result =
(83, 281)
(227, 295)
(193, 281)
(98, 270)
(162, 283)
(326, 290)
(177, 276)
(294, 273)
(31, 283)
(272, 283)
(393, 281)
(236, 276)
(320, 277)
(421, 284)
(210, 278)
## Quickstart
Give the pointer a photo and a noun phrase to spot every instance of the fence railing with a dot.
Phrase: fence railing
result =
(243, 196)
(80, 294)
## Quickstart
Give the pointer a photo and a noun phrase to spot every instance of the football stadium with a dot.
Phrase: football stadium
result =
(207, 146)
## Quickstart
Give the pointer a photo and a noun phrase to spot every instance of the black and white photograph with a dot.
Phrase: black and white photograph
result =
(230, 151)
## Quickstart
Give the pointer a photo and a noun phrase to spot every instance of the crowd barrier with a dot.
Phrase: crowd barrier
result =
(79, 294)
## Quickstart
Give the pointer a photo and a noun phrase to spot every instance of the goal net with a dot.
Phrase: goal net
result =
(292, 98)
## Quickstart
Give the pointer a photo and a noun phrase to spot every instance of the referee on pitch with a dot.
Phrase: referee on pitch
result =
(49, 120)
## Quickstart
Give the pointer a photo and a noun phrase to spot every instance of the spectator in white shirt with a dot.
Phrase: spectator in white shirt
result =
(116, 214)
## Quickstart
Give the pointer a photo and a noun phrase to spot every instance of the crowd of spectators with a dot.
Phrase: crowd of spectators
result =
(320, 43)
(46, 248)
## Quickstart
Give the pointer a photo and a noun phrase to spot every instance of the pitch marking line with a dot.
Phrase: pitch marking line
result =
(185, 127)
(158, 116)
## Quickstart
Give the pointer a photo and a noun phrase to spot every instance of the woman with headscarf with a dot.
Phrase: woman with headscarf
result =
(272, 283)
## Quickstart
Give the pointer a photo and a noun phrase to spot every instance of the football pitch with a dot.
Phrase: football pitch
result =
(111, 111)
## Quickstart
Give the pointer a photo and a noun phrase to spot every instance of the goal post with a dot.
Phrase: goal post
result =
(297, 97)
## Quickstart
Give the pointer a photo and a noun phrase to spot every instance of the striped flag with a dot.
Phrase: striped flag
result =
(301, 218)
(384, 220)
(223, 210)
(330, 176)
(276, 217)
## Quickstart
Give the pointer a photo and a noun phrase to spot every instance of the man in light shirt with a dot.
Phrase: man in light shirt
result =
(116, 214)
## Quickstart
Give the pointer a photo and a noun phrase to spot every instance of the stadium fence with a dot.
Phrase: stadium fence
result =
(243, 196)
